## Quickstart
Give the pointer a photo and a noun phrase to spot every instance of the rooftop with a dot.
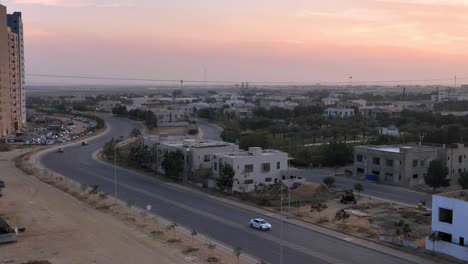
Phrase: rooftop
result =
(399, 148)
(458, 195)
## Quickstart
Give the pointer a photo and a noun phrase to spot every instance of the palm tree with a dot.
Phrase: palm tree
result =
(237, 253)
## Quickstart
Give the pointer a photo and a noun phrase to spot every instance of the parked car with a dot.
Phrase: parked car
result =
(84, 143)
(260, 224)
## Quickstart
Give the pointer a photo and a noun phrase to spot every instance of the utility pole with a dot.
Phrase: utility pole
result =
(115, 171)
(204, 76)
(281, 212)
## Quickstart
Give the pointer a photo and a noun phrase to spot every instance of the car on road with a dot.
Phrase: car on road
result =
(84, 143)
(260, 224)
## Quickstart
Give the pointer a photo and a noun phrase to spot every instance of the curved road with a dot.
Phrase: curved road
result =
(224, 222)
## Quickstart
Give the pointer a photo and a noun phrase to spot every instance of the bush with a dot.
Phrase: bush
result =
(329, 181)
(4, 147)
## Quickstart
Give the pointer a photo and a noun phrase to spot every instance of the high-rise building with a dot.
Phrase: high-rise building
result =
(15, 22)
(12, 101)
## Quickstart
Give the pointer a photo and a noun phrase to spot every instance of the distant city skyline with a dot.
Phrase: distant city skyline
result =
(255, 40)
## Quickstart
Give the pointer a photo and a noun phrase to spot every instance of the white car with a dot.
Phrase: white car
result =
(260, 224)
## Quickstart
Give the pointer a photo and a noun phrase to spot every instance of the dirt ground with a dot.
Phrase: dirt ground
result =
(79, 227)
(369, 218)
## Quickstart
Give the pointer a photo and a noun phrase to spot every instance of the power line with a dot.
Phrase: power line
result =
(234, 82)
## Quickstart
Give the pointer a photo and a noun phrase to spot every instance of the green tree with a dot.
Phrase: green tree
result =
(402, 228)
(139, 154)
(342, 215)
(173, 164)
(255, 140)
(120, 110)
(232, 131)
(336, 154)
(463, 180)
(358, 187)
(151, 120)
(226, 177)
(237, 252)
(318, 207)
(135, 132)
(329, 181)
(434, 237)
(436, 175)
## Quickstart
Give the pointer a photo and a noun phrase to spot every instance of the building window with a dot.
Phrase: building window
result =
(376, 161)
(359, 158)
(423, 162)
(376, 172)
(460, 159)
(248, 181)
(248, 168)
(389, 163)
(445, 215)
(445, 237)
(206, 158)
(415, 176)
(359, 170)
(266, 167)
(268, 179)
(415, 163)
(215, 166)
(278, 165)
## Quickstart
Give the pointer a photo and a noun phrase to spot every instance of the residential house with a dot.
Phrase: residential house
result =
(339, 112)
(252, 167)
(449, 215)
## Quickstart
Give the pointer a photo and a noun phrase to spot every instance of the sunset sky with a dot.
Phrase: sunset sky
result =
(247, 40)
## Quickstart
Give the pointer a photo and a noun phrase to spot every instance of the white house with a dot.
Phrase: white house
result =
(449, 220)
(390, 131)
(197, 153)
(330, 100)
(339, 112)
(252, 167)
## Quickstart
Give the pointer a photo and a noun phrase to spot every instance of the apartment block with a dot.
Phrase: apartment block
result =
(252, 167)
(12, 101)
(395, 165)
(15, 23)
(449, 214)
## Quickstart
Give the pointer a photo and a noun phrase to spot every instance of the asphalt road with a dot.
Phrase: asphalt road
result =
(210, 131)
(384, 192)
(225, 223)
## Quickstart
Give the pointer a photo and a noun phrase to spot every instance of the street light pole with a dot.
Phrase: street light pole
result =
(281, 212)
(115, 171)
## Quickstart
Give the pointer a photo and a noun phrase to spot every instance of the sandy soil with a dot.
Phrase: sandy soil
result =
(377, 218)
(79, 227)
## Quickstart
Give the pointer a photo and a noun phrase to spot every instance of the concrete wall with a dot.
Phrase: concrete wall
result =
(459, 228)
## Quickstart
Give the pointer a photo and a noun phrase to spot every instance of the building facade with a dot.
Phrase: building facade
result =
(395, 165)
(339, 112)
(449, 214)
(12, 101)
(197, 153)
(252, 167)
(406, 165)
(15, 23)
